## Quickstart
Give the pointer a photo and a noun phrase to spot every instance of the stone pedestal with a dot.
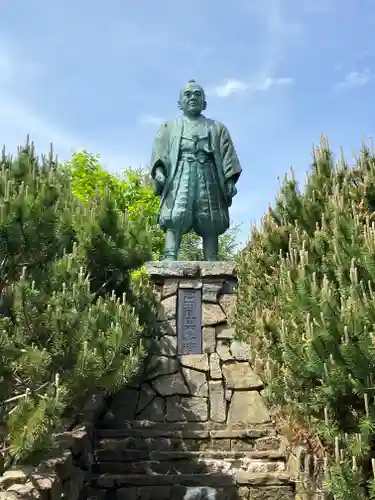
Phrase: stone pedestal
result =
(196, 424)
(215, 385)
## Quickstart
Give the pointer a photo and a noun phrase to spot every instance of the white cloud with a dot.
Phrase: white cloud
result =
(19, 118)
(233, 86)
(151, 120)
(268, 82)
(355, 79)
(230, 87)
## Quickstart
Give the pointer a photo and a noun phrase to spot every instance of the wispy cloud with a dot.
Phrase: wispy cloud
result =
(14, 67)
(6, 66)
(20, 117)
(230, 87)
(282, 30)
(233, 86)
(150, 119)
(355, 79)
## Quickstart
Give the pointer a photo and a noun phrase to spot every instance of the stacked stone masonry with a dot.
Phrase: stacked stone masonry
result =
(196, 424)
(66, 471)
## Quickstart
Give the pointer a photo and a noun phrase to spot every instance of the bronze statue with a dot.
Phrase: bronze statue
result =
(195, 169)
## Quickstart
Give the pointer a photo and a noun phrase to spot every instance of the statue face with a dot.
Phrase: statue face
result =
(192, 100)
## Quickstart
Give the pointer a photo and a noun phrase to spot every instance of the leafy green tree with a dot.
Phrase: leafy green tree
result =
(134, 195)
(191, 246)
(132, 191)
(306, 305)
(70, 315)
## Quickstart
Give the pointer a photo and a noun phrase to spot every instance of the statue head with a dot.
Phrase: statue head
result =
(192, 99)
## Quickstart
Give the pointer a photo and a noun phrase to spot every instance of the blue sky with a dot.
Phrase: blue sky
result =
(103, 75)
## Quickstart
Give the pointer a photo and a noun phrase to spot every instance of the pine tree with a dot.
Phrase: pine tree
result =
(306, 303)
(70, 316)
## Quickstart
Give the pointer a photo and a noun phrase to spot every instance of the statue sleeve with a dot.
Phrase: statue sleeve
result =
(231, 165)
(160, 151)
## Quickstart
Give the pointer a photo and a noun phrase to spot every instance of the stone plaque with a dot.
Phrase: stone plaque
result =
(189, 321)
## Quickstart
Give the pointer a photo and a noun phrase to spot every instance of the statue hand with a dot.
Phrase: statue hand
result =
(159, 177)
(231, 190)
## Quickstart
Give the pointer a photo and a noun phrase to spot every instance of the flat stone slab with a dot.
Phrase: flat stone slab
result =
(247, 407)
(241, 376)
(201, 465)
(191, 269)
(168, 385)
(187, 431)
(190, 409)
(214, 480)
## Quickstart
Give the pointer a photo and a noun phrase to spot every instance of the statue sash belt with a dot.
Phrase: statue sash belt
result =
(199, 157)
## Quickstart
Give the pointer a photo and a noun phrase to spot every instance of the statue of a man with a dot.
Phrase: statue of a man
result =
(195, 169)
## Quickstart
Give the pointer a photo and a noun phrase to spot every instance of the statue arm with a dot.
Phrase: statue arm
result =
(158, 159)
(231, 165)
(159, 152)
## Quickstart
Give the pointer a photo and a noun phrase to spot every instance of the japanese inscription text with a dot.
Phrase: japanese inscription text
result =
(189, 321)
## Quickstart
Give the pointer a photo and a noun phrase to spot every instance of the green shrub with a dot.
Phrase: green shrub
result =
(306, 303)
(70, 315)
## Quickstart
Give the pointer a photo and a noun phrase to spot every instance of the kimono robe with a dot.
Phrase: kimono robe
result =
(197, 161)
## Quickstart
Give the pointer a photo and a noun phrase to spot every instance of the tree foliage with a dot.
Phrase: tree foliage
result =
(306, 304)
(70, 316)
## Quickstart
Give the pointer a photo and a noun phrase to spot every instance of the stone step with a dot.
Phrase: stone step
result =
(171, 427)
(240, 478)
(190, 442)
(201, 465)
(121, 454)
(164, 437)
(187, 433)
(178, 492)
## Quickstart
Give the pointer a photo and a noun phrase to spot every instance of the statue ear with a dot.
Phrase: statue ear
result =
(179, 104)
(204, 105)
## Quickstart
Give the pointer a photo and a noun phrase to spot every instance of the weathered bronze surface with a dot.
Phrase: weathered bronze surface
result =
(195, 168)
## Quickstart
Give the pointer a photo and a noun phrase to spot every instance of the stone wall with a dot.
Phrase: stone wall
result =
(217, 385)
(65, 471)
(193, 424)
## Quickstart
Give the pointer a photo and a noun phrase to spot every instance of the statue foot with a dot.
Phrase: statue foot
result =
(172, 245)
(211, 248)
(212, 258)
(170, 257)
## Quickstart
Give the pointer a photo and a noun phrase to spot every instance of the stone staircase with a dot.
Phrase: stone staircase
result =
(151, 460)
